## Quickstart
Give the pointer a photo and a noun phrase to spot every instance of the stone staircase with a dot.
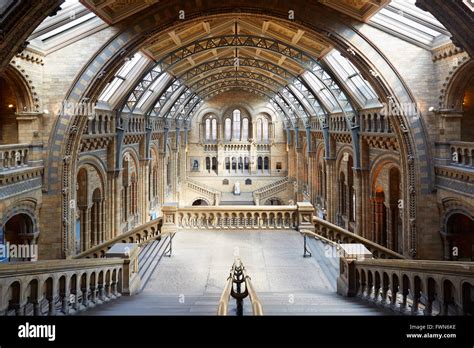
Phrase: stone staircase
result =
(245, 198)
(207, 192)
(270, 190)
(150, 255)
(173, 287)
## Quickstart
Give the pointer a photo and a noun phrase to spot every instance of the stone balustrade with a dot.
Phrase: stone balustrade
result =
(212, 195)
(410, 287)
(64, 287)
(374, 121)
(13, 156)
(270, 190)
(140, 235)
(340, 235)
(462, 153)
(237, 217)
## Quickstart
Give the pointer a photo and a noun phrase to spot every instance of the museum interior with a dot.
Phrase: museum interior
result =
(170, 157)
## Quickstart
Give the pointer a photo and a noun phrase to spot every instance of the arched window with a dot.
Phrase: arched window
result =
(208, 164)
(241, 164)
(228, 129)
(214, 164)
(237, 124)
(234, 164)
(259, 130)
(214, 129)
(266, 164)
(260, 163)
(208, 129)
(265, 130)
(245, 129)
(247, 166)
(227, 163)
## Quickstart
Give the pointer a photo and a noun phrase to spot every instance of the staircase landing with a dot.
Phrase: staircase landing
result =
(245, 198)
(191, 281)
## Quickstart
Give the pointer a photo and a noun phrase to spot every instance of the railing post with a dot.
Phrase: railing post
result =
(349, 254)
(305, 216)
(169, 218)
(131, 278)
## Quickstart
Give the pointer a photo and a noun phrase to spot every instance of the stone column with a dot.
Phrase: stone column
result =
(331, 189)
(361, 188)
(142, 196)
(102, 215)
(117, 206)
(85, 214)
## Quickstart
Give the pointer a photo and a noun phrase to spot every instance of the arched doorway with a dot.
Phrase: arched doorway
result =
(200, 202)
(19, 236)
(380, 217)
(460, 231)
(274, 201)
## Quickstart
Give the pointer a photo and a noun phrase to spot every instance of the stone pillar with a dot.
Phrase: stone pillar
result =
(331, 189)
(305, 216)
(361, 187)
(85, 214)
(169, 218)
(117, 206)
(102, 235)
(143, 202)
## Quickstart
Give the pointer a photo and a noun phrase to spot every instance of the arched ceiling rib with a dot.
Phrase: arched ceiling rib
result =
(233, 55)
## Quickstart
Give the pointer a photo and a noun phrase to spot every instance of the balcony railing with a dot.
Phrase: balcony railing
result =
(13, 156)
(462, 153)
(140, 235)
(19, 162)
(411, 287)
(339, 235)
(237, 217)
(63, 287)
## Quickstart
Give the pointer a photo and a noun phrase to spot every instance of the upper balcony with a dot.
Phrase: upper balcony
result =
(20, 165)
(454, 166)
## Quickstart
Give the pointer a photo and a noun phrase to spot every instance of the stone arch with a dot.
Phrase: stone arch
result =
(22, 87)
(456, 83)
(90, 205)
(16, 98)
(200, 202)
(343, 41)
(387, 202)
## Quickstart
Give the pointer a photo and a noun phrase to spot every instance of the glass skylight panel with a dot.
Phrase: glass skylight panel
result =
(129, 65)
(155, 88)
(351, 76)
(72, 24)
(403, 17)
(144, 98)
(119, 78)
(111, 89)
(326, 97)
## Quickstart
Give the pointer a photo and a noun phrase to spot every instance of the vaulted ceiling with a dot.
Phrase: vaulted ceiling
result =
(113, 11)
(198, 58)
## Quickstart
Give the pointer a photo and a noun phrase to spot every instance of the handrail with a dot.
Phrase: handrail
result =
(133, 234)
(224, 299)
(239, 276)
(257, 308)
(331, 231)
(317, 236)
